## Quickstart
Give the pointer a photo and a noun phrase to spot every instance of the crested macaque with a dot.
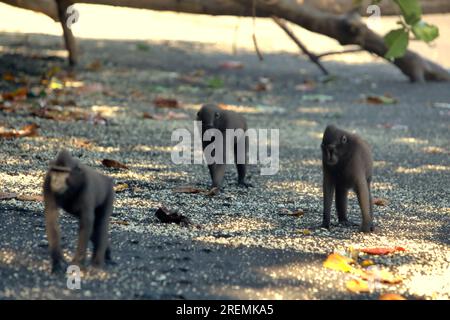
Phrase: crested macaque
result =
(347, 164)
(85, 194)
(213, 117)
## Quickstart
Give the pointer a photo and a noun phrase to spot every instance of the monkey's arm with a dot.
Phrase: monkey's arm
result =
(84, 234)
(52, 228)
(328, 192)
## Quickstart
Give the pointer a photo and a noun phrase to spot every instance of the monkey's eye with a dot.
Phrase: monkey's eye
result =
(217, 115)
(344, 139)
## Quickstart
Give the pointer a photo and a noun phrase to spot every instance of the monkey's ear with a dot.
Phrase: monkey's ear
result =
(217, 115)
(344, 139)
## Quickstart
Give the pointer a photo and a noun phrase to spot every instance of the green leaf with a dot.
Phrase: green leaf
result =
(411, 10)
(425, 32)
(397, 42)
(215, 83)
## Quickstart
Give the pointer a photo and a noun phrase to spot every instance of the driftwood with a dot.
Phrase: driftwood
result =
(348, 29)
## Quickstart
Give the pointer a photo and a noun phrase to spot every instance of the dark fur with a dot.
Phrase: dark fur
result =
(89, 197)
(347, 164)
(212, 116)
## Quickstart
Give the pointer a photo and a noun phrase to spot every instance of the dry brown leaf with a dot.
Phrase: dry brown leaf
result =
(30, 130)
(95, 65)
(380, 202)
(109, 163)
(18, 94)
(188, 189)
(81, 143)
(121, 187)
(121, 222)
(295, 213)
(357, 286)
(391, 296)
(30, 197)
(231, 65)
(7, 195)
(308, 85)
(166, 103)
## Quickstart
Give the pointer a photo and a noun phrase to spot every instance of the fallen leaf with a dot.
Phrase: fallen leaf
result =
(317, 98)
(81, 143)
(263, 84)
(29, 130)
(95, 65)
(380, 202)
(188, 189)
(381, 251)
(113, 164)
(121, 187)
(305, 232)
(18, 94)
(357, 286)
(308, 85)
(380, 99)
(367, 263)
(167, 216)
(30, 197)
(338, 262)
(8, 76)
(231, 65)
(295, 213)
(7, 195)
(382, 275)
(171, 115)
(391, 296)
(121, 222)
(166, 103)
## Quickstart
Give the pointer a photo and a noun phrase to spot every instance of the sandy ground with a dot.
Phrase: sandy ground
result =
(242, 248)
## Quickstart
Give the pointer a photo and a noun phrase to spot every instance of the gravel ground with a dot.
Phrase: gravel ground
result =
(243, 248)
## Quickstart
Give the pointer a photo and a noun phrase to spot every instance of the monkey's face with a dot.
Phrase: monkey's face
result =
(209, 116)
(58, 181)
(63, 180)
(333, 150)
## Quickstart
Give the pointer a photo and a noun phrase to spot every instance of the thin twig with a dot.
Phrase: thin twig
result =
(338, 52)
(314, 58)
(255, 42)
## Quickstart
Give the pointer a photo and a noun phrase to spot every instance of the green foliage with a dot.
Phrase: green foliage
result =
(397, 40)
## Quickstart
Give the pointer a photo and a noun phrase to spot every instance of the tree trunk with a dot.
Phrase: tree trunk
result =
(347, 29)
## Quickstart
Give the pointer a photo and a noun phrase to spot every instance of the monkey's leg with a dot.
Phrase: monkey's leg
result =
(217, 172)
(100, 234)
(53, 233)
(328, 191)
(362, 191)
(372, 226)
(84, 234)
(341, 207)
(241, 163)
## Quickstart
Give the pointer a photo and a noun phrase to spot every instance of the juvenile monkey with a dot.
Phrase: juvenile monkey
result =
(347, 164)
(85, 194)
(213, 117)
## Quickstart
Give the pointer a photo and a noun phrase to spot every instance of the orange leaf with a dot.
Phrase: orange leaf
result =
(381, 251)
(113, 164)
(391, 296)
(357, 285)
(29, 130)
(337, 262)
(381, 275)
(121, 222)
(18, 94)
